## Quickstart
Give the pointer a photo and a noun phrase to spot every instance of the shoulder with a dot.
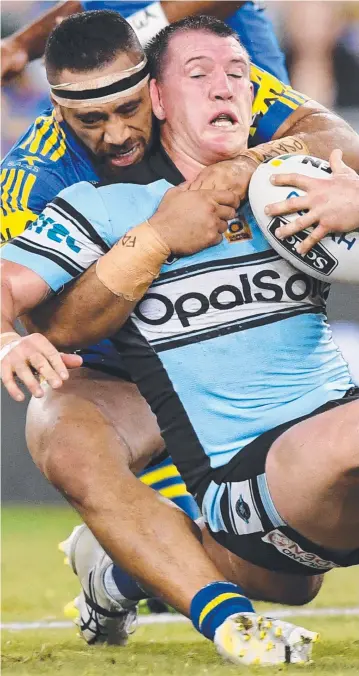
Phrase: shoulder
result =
(273, 103)
(42, 145)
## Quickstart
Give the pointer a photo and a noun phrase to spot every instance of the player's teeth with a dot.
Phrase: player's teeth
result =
(222, 122)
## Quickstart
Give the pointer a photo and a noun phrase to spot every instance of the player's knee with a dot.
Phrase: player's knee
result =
(68, 439)
(345, 461)
(304, 590)
(291, 590)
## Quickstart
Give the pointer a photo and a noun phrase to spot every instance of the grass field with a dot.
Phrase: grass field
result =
(36, 585)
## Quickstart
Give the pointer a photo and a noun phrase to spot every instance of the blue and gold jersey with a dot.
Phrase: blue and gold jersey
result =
(48, 157)
(45, 160)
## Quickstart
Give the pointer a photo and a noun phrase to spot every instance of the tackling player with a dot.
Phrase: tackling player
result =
(229, 104)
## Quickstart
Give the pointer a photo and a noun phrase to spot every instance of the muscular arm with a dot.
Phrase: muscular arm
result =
(29, 43)
(322, 131)
(21, 356)
(14, 279)
(71, 321)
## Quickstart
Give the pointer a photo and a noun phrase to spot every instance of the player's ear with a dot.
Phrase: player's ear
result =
(156, 99)
(57, 109)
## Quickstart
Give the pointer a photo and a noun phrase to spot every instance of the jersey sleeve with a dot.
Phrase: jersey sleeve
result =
(273, 103)
(70, 234)
(24, 194)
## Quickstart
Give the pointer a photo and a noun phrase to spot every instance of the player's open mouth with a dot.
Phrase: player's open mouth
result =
(123, 158)
(224, 120)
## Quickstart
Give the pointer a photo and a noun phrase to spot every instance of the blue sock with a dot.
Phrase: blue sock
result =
(214, 603)
(126, 585)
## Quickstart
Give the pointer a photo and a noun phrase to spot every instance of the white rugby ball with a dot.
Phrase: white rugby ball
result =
(336, 256)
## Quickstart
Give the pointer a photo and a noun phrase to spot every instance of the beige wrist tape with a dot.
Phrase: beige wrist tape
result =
(291, 145)
(130, 267)
(8, 337)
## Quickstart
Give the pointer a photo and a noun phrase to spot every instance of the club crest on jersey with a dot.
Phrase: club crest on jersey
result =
(238, 230)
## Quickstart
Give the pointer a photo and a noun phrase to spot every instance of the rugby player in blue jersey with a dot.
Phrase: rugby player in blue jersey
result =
(248, 19)
(222, 64)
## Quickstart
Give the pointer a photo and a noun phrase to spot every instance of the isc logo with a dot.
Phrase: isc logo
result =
(318, 257)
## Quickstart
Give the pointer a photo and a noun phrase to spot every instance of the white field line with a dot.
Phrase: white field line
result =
(169, 618)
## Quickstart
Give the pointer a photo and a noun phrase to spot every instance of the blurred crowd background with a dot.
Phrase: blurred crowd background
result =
(321, 43)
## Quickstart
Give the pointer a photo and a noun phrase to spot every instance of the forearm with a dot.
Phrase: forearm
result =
(322, 132)
(70, 321)
(310, 130)
(33, 37)
(101, 300)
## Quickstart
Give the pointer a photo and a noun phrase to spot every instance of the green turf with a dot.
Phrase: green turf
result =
(36, 585)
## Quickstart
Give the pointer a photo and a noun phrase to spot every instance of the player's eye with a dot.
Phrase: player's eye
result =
(90, 121)
(237, 76)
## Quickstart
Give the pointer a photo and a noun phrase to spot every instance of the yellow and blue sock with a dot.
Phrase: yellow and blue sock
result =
(214, 603)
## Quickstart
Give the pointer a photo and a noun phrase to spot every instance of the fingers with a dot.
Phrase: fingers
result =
(35, 353)
(293, 180)
(72, 361)
(337, 164)
(225, 213)
(336, 161)
(289, 206)
(8, 379)
(300, 223)
(313, 238)
(225, 197)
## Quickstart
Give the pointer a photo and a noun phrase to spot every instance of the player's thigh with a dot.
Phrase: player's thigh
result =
(97, 411)
(312, 471)
(259, 583)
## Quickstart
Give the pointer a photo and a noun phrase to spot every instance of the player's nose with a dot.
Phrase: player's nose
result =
(116, 133)
(221, 87)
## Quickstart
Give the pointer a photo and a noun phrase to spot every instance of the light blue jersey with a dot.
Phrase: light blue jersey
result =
(225, 345)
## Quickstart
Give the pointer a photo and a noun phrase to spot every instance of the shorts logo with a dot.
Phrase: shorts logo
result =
(238, 230)
(293, 551)
(242, 509)
(243, 514)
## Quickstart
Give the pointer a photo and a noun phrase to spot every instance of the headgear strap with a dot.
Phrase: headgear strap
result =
(103, 89)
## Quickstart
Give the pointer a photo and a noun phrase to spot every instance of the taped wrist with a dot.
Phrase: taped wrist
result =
(289, 145)
(8, 340)
(8, 337)
(148, 22)
(133, 263)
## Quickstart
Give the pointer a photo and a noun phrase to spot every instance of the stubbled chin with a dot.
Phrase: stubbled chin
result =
(227, 146)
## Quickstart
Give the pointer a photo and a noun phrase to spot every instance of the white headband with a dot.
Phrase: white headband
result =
(103, 89)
